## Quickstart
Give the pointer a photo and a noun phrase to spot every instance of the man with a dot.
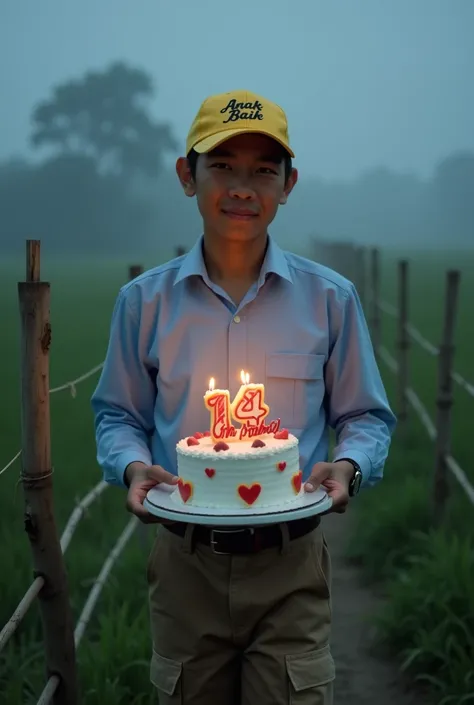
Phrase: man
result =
(241, 624)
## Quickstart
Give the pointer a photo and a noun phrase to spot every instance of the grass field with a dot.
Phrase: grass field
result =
(113, 656)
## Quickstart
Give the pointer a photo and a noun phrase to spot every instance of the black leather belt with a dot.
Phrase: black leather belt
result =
(245, 539)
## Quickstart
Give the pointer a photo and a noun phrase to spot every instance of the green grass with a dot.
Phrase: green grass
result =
(81, 304)
(113, 656)
(426, 573)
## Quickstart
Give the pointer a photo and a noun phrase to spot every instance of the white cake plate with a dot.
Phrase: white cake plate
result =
(162, 501)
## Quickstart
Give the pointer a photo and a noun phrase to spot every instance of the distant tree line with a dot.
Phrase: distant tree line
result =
(101, 185)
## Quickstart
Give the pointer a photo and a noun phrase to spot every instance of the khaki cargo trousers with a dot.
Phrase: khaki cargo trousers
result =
(241, 629)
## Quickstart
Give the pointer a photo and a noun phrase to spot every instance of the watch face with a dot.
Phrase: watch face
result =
(356, 482)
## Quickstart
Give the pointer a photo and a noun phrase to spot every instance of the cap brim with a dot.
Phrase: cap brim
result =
(209, 143)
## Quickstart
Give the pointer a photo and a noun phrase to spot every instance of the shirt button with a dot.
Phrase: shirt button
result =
(236, 319)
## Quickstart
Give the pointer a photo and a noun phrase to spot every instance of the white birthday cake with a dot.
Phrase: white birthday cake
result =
(256, 465)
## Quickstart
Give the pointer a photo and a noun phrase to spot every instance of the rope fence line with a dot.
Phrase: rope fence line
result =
(61, 685)
(88, 609)
(27, 600)
(429, 426)
(350, 261)
(49, 587)
(71, 386)
(431, 349)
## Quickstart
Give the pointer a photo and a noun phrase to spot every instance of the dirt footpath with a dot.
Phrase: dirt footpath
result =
(362, 678)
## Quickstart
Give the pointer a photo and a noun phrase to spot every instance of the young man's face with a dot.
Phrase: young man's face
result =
(239, 186)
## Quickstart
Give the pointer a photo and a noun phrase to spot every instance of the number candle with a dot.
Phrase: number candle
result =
(248, 407)
(218, 403)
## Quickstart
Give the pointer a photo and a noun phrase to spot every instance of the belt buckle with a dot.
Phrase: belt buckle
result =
(214, 542)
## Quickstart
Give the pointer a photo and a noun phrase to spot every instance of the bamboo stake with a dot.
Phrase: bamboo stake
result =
(403, 340)
(375, 291)
(23, 606)
(134, 271)
(444, 401)
(36, 477)
(361, 275)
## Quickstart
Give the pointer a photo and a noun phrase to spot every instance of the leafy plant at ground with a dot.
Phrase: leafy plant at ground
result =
(426, 575)
(429, 616)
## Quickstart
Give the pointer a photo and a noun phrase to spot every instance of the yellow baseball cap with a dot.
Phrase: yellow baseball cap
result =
(235, 113)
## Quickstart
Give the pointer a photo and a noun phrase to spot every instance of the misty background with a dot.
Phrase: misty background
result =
(97, 98)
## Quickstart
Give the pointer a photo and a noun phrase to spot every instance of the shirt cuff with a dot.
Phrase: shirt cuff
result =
(132, 456)
(362, 460)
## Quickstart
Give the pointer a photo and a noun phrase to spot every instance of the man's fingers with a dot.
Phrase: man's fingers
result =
(156, 472)
(319, 473)
(340, 499)
(135, 506)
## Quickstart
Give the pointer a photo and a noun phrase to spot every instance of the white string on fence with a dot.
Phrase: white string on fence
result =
(422, 342)
(425, 418)
(26, 601)
(68, 385)
(49, 690)
(79, 512)
(461, 477)
(102, 577)
(387, 308)
(72, 384)
(32, 592)
(411, 395)
(467, 386)
(53, 682)
(426, 345)
(10, 463)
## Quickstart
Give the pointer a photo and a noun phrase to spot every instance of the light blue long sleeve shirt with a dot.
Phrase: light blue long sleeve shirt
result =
(300, 330)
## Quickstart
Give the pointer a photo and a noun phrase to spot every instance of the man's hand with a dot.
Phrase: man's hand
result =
(141, 478)
(335, 478)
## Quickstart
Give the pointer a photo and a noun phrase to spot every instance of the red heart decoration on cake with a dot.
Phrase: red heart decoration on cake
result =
(198, 435)
(220, 445)
(191, 441)
(281, 435)
(296, 481)
(281, 466)
(185, 489)
(258, 443)
(249, 493)
(210, 472)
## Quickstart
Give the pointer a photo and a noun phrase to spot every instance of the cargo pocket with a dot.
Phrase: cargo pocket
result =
(165, 674)
(311, 677)
(294, 387)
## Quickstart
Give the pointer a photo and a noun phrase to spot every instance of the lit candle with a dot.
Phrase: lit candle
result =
(248, 407)
(217, 401)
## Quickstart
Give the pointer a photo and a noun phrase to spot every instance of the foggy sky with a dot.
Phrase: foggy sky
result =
(364, 82)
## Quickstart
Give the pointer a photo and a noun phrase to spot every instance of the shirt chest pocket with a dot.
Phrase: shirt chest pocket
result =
(294, 387)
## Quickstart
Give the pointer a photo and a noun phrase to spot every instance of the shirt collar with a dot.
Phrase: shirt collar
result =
(274, 263)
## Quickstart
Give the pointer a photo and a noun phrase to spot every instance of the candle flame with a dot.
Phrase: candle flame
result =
(245, 377)
(212, 383)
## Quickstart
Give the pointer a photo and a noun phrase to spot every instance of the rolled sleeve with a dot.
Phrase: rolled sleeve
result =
(358, 406)
(124, 400)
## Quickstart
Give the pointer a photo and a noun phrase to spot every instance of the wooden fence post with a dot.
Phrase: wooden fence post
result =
(444, 401)
(403, 340)
(375, 294)
(361, 275)
(36, 478)
(134, 271)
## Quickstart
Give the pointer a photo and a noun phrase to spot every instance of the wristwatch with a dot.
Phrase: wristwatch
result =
(356, 479)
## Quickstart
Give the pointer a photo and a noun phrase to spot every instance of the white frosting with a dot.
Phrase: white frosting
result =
(239, 465)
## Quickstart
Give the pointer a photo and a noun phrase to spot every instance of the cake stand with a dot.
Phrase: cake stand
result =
(165, 502)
